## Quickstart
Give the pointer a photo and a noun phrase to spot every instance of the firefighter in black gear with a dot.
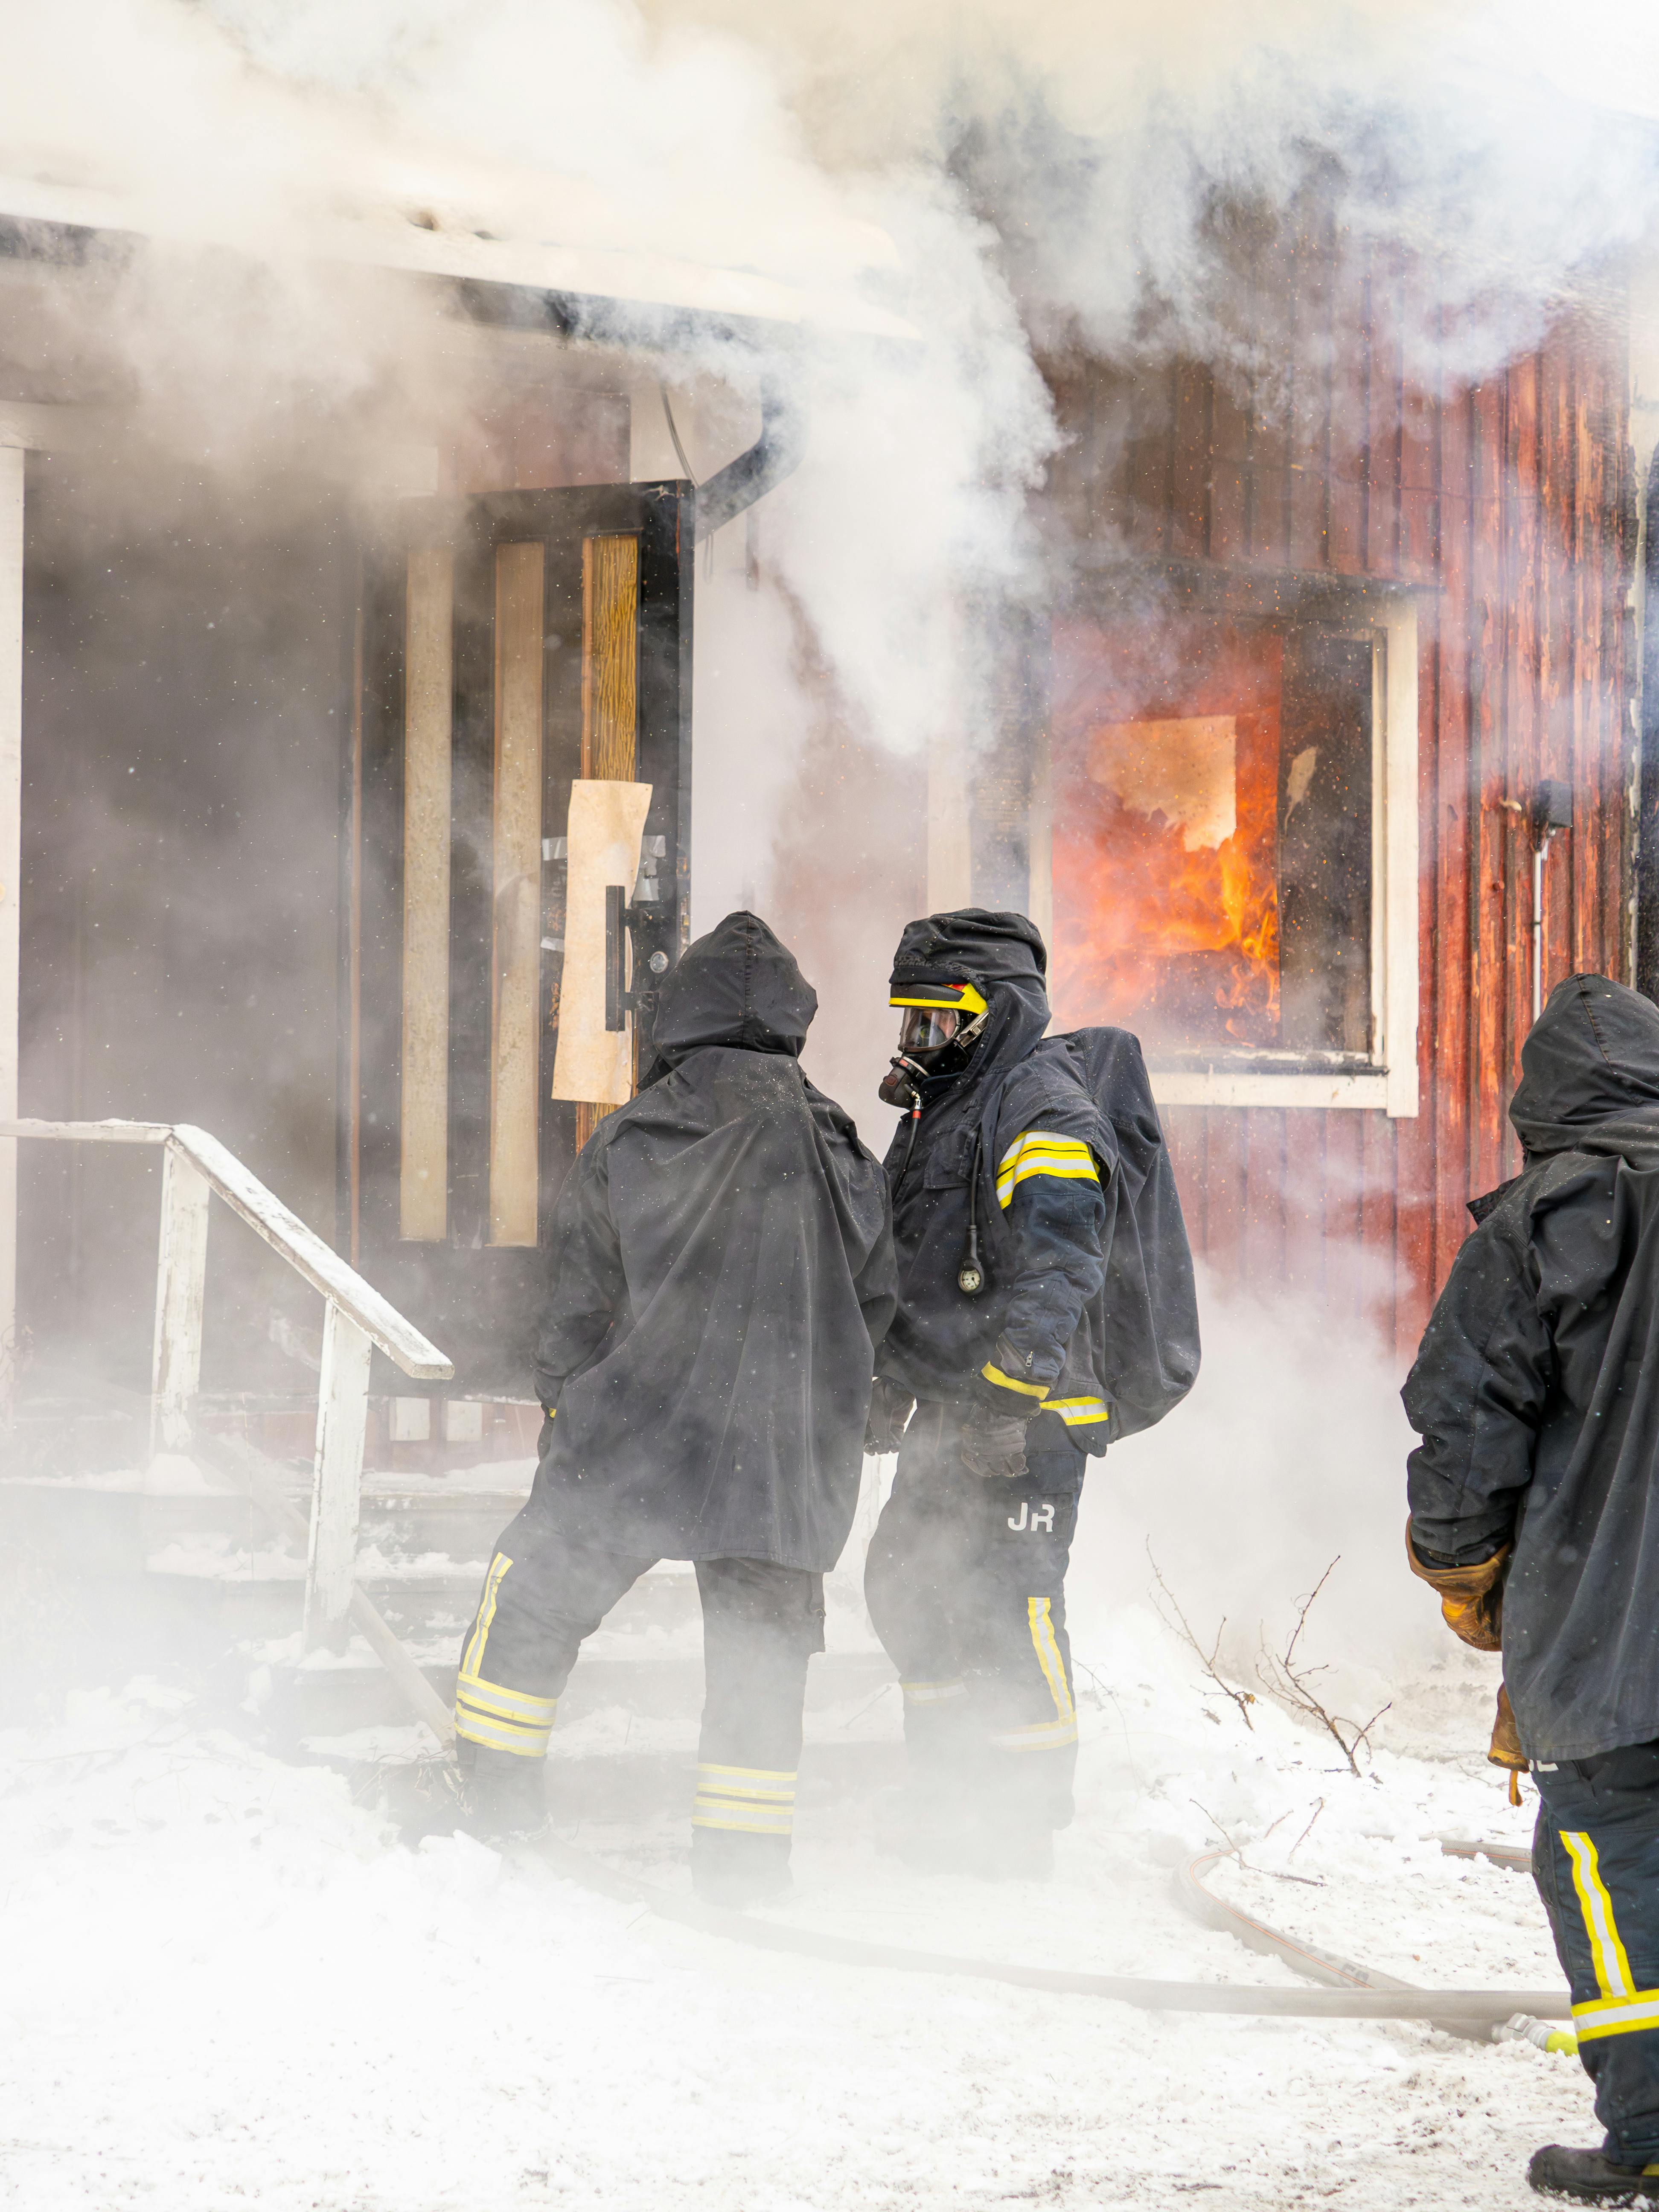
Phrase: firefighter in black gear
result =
(721, 1274)
(1534, 1512)
(1000, 1173)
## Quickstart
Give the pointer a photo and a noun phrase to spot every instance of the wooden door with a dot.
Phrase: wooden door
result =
(511, 645)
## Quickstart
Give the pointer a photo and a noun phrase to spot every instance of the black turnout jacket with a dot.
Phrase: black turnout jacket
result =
(721, 1274)
(1536, 1389)
(1045, 1158)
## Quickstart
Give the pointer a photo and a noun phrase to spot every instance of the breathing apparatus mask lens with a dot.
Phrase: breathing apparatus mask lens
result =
(926, 1029)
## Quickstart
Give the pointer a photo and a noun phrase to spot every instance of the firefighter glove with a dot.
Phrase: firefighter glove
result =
(1006, 1384)
(993, 1445)
(1506, 1737)
(890, 1408)
(1471, 1598)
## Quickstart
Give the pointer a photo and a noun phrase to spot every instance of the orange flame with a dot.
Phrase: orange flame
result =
(1163, 926)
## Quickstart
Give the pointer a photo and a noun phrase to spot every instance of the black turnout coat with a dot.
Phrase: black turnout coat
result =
(721, 1273)
(1536, 1389)
(1019, 1124)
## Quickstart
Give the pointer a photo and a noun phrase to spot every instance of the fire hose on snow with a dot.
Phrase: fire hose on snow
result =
(1350, 1992)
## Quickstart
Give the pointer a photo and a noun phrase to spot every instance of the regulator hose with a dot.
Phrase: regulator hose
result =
(1351, 1992)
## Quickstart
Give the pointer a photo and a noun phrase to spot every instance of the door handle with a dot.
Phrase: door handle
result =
(650, 925)
(616, 1000)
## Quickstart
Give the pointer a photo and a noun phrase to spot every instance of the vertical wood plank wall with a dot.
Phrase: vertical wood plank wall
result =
(1350, 444)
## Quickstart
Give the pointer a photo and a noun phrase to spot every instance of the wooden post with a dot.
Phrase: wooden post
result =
(11, 817)
(180, 1280)
(337, 1481)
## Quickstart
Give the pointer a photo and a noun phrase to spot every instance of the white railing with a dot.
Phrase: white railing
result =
(355, 1320)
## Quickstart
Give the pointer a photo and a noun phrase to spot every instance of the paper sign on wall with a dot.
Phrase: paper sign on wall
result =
(607, 821)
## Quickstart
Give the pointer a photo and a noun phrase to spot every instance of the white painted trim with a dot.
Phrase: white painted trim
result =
(1396, 1048)
(45, 428)
(388, 240)
(1253, 1087)
(11, 861)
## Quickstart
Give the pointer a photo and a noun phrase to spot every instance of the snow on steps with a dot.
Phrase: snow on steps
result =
(173, 1567)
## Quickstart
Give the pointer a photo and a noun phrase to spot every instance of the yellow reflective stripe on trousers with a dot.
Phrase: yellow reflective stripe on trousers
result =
(472, 1658)
(506, 1720)
(521, 1705)
(760, 1799)
(1626, 2015)
(1613, 1974)
(933, 1693)
(1048, 1658)
(1042, 1151)
(1042, 1735)
(524, 1741)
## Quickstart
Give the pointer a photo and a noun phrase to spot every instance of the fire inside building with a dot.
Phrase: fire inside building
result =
(1332, 654)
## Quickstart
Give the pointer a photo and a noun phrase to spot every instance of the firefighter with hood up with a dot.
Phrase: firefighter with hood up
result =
(1007, 1176)
(1534, 1513)
(721, 1274)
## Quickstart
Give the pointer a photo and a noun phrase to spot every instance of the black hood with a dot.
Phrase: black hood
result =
(1590, 1079)
(739, 985)
(1002, 956)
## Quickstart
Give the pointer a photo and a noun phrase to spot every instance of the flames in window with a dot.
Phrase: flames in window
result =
(1211, 835)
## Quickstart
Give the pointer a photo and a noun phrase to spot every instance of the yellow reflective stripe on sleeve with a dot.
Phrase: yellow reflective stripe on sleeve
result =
(1008, 1382)
(1075, 1410)
(1048, 1658)
(1043, 1735)
(472, 1658)
(759, 1799)
(1613, 1974)
(1624, 2015)
(933, 1693)
(1042, 1152)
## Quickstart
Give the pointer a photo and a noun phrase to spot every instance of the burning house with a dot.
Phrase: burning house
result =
(1343, 640)
(1321, 624)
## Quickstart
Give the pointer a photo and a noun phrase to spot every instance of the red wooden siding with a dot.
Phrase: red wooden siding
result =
(1348, 444)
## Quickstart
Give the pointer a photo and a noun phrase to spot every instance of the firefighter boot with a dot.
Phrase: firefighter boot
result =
(925, 1820)
(1590, 2177)
(730, 1866)
(505, 1793)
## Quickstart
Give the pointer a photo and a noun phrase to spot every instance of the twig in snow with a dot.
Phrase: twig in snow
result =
(1307, 1831)
(1219, 1830)
(1181, 1626)
(1291, 1683)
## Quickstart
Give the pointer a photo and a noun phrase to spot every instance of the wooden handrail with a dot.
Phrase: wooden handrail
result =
(356, 1318)
(266, 1214)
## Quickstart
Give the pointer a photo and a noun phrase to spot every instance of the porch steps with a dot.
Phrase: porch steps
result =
(178, 1572)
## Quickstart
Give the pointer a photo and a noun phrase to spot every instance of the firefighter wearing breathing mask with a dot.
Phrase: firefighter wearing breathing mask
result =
(999, 1171)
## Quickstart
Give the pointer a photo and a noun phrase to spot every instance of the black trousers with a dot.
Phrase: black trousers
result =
(966, 1585)
(1596, 1859)
(544, 1595)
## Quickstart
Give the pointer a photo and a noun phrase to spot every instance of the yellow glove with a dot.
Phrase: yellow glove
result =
(1471, 1598)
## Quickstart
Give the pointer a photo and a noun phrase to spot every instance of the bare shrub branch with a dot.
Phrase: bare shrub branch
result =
(1179, 1626)
(1291, 1683)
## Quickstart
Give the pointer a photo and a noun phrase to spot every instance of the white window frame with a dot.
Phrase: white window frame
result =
(1388, 1082)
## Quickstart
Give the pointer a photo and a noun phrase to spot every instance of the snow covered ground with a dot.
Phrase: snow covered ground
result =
(226, 1983)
